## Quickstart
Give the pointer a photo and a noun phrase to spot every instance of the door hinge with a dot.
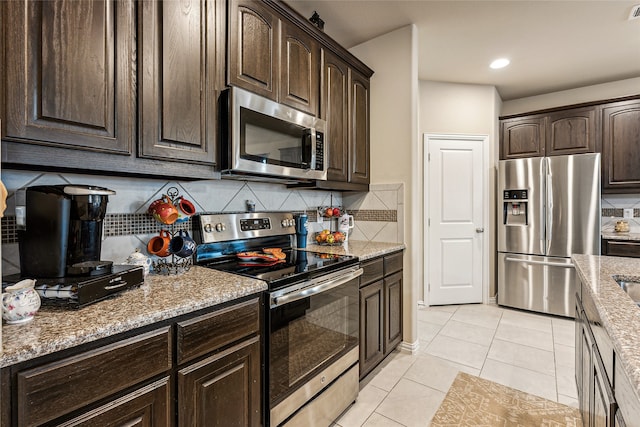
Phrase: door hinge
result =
(428, 287)
(429, 222)
(428, 157)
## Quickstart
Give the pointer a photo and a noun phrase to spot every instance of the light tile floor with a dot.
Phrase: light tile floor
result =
(527, 351)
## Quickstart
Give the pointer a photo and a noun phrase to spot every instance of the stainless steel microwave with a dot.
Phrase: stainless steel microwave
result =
(263, 138)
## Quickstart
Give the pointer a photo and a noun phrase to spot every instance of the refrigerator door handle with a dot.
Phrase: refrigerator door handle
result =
(549, 225)
(543, 236)
(551, 264)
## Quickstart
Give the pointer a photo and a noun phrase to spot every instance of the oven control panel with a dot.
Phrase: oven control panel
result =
(255, 224)
(212, 228)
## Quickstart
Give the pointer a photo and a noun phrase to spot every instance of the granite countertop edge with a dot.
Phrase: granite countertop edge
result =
(364, 250)
(612, 235)
(158, 299)
(619, 314)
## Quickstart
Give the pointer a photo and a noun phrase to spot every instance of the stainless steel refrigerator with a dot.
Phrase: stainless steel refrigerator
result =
(548, 209)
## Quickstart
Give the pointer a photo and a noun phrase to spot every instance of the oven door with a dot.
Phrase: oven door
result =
(312, 341)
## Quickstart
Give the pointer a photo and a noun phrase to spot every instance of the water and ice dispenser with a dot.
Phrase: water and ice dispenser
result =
(515, 207)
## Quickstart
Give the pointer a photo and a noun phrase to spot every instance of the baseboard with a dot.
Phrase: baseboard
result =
(493, 300)
(411, 348)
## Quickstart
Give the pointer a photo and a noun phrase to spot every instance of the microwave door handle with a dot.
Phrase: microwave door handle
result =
(309, 149)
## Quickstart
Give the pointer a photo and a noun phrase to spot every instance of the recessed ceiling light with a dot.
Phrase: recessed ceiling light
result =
(499, 63)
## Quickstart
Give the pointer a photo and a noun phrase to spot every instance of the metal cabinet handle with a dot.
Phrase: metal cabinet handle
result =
(479, 230)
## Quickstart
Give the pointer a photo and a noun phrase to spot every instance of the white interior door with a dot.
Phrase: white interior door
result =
(455, 224)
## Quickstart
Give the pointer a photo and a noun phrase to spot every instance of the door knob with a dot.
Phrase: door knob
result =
(480, 230)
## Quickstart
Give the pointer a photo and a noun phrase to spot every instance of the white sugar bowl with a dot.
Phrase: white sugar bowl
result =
(138, 258)
(20, 302)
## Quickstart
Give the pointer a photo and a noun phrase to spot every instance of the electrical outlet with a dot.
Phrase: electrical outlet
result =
(628, 213)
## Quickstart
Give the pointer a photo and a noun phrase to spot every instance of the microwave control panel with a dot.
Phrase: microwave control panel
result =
(319, 151)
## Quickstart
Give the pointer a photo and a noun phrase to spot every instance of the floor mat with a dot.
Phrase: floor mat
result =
(474, 401)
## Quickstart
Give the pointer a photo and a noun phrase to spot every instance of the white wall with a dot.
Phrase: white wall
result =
(599, 92)
(450, 108)
(394, 110)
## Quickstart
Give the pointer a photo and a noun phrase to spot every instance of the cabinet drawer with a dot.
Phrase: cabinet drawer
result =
(392, 263)
(625, 248)
(52, 390)
(209, 332)
(372, 270)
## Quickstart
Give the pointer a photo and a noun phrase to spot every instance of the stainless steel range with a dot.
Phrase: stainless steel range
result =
(311, 318)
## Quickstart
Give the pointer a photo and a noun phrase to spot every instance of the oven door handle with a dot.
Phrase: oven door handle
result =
(315, 288)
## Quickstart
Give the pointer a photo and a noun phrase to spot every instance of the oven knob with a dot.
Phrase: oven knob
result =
(208, 228)
(220, 227)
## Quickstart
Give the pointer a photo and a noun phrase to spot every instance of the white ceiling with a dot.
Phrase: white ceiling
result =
(553, 45)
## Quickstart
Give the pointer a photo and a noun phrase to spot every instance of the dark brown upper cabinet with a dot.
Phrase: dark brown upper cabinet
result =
(299, 69)
(345, 107)
(253, 47)
(335, 110)
(621, 147)
(181, 55)
(359, 170)
(271, 56)
(570, 131)
(70, 74)
(522, 137)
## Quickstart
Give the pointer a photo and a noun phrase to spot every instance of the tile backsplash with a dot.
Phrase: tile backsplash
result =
(613, 206)
(128, 226)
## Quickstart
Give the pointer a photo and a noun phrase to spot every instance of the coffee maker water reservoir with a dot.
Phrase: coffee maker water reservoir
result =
(63, 230)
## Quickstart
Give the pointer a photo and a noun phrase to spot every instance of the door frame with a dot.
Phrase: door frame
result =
(483, 139)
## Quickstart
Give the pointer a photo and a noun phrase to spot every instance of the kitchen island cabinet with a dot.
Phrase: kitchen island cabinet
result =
(607, 360)
(124, 358)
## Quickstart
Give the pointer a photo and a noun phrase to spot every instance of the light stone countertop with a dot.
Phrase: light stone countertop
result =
(612, 235)
(362, 249)
(159, 298)
(619, 314)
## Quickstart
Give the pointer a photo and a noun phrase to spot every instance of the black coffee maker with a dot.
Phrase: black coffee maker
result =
(63, 231)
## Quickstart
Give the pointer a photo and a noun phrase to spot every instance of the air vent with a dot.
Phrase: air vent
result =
(635, 12)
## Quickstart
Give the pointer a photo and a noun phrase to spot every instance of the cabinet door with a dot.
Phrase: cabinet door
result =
(335, 110)
(253, 53)
(180, 55)
(371, 326)
(222, 390)
(586, 366)
(299, 69)
(604, 406)
(522, 137)
(392, 312)
(148, 406)
(620, 147)
(359, 171)
(70, 80)
(571, 132)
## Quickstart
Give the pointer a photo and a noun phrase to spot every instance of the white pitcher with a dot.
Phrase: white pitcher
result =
(345, 224)
(20, 302)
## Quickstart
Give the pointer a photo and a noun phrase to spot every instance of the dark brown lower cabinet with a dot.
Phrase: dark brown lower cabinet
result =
(596, 397)
(148, 406)
(621, 248)
(222, 390)
(380, 309)
(371, 326)
(195, 370)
